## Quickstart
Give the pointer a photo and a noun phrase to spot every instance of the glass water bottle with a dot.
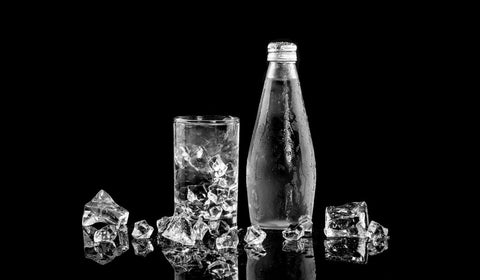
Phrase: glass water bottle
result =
(281, 171)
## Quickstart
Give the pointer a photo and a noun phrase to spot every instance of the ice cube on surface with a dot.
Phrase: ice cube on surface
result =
(255, 235)
(106, 233)
(142, 230)
(293, 232)
(179, 229)
(348, 220)
(228, 239)
(102, 209)
(162, 224)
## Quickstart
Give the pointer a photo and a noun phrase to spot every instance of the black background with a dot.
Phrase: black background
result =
(112, 85)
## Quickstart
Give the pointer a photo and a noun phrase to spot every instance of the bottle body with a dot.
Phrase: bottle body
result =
(281, 173)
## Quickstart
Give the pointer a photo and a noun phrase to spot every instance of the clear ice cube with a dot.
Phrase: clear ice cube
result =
(102, 209)
(179, 229)
(142, 247)
(218, 166)
(255, 235)
(346, 249)
(199, 229)
(306, 223)
(378, 238)
(106, 233)
(142, 230)
(293, 232)
(348, 220)
(228, 240)
(162, 224)
(215, 212)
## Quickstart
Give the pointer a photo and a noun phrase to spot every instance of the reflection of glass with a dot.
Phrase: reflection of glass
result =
(206, 166)
(200, 262)
(282, 263)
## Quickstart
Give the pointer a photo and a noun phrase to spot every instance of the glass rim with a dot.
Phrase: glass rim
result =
(207, 119)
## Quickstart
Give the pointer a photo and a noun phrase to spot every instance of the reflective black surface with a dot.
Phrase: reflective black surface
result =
(116, 86)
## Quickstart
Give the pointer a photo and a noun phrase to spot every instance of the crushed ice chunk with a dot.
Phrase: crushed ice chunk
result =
(255, 235)
(348, 220)
(162, 224)
(293, 232)
(228, 239)
(199, 229)
(106, 233)
(142, 230)
(346, 249)
(179, 229)
(142, 247)
(215, 212)
(306, 223)
(218, 166)
(378, 238)
(229, 205)
(102, 209)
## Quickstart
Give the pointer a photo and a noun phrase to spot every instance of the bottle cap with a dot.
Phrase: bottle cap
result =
(282, 51)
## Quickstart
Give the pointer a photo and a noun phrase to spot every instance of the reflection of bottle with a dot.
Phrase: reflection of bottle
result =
(281, 163)
(278, 264)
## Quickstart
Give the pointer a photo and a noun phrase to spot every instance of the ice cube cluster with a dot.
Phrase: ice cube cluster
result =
(350, 236)
(105, 234)
(206, 179)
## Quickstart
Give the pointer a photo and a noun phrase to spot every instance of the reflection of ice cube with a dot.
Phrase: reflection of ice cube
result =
(346, 249)
(183, 258)
(306, 223)
(378, 238)
(255, 252)
(222, 269)
(142, 247)
(110, 242)
(348, 220)
(296, 246)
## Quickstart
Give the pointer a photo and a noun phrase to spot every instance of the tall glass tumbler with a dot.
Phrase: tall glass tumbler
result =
(206, 167)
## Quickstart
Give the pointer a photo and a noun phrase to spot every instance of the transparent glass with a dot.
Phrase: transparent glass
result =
(281, 174)
(206, 167)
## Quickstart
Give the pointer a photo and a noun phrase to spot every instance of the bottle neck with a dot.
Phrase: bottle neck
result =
(282, 70)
